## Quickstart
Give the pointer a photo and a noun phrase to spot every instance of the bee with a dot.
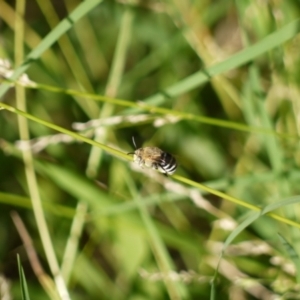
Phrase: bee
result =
(154, 158)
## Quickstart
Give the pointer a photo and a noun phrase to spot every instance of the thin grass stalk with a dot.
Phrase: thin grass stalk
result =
(29, 168)
(114, 80)
(129, 157)
(80, 11)
(162, 257)
(71, 57)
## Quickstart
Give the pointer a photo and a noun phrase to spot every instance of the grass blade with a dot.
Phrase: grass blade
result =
(24, 288)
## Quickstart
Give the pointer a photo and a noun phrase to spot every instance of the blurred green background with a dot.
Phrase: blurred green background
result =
(221, 79)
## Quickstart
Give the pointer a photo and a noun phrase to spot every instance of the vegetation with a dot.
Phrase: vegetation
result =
(214, 83)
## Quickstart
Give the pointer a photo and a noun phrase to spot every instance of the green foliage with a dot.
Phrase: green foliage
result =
(23, 283)
(215, 83)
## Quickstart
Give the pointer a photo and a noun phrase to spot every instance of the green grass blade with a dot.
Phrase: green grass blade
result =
(68, 132)
(25, 202)
(292, 254)
(81, 10)
(237, 201)
(24, 288)
(268, 43)
(252, 218)
(181, 115)
(163, 258)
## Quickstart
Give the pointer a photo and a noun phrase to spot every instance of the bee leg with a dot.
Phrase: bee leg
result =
(155, 166)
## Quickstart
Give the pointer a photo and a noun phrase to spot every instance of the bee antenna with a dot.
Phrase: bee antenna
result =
(134, 142)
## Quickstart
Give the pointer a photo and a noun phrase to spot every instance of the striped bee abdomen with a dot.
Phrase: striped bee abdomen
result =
(167, 163)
